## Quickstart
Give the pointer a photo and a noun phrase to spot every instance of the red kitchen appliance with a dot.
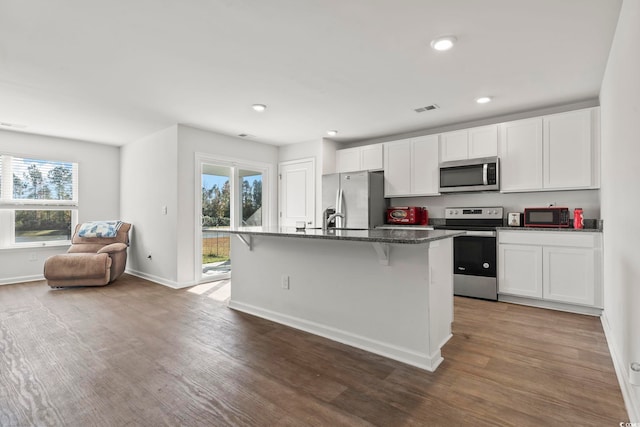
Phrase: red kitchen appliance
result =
(407, 215)
(552, 217)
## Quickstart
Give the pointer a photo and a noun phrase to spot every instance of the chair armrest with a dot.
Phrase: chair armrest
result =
(114, 247)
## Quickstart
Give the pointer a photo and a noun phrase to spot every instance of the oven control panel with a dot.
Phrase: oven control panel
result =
(474, 213)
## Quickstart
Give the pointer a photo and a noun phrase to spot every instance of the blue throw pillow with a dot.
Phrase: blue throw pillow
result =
(107, 229)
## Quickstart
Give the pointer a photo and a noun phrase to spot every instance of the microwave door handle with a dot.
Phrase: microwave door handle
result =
(485, 168)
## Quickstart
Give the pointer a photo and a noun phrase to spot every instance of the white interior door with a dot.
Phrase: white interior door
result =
(297, 192)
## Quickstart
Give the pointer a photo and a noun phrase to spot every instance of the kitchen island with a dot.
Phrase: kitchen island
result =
(389, 292)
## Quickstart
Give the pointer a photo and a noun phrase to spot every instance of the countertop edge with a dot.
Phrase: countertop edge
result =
(552, 229)
(390, 240)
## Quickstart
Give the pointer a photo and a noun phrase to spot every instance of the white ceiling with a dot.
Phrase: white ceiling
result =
(115, 71)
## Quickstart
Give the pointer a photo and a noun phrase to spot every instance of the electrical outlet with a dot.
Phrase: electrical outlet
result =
(285, 282)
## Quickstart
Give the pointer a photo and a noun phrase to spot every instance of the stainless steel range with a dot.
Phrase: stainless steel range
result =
(474, 258)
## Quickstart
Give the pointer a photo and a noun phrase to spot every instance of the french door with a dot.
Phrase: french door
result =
(231, 194)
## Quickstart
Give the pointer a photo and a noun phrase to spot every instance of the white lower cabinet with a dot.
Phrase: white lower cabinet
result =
(561, 267)
(520, 270)
(568, 275)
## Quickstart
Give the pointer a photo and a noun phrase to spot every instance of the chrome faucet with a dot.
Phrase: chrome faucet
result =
(329, 218)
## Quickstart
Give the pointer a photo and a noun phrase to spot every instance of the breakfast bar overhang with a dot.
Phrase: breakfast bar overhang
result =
(389, 292)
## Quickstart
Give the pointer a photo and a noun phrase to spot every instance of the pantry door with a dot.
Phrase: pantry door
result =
(297, 192)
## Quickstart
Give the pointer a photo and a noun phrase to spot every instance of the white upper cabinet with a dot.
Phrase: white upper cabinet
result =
(425, 173)
(411, 167)
(371, 157)
(483, 142)
(454, 146)
(368, 157)
(348, 160)
(469, 143)
(397, 168)
(521, 155)
(554, 152)
(571, 150)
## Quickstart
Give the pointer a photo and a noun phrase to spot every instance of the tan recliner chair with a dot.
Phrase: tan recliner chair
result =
(90, 261)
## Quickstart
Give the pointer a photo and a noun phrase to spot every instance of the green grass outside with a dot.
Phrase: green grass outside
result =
(41, 233)
(209, 258)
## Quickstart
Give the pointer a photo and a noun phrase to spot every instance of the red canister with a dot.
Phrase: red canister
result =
(578, 218)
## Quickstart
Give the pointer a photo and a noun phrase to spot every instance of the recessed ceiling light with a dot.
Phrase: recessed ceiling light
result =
(259, 107)
(443, 43)
(483, 99)
(332, 132)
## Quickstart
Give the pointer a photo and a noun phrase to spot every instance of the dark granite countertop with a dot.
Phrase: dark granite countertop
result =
(372, 235)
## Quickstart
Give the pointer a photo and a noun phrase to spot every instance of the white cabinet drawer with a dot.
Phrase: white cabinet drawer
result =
(551, 238)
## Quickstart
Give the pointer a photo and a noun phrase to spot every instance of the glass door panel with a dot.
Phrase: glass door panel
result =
(251, 199)
(216, 219)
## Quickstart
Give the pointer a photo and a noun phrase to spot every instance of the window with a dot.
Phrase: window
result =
(38, 201)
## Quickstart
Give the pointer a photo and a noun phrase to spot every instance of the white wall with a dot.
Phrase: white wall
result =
(149, 182)
(620, 109)
(190, 142)
(98, 191)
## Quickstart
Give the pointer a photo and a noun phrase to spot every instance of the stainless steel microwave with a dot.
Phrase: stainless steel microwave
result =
(481, 174)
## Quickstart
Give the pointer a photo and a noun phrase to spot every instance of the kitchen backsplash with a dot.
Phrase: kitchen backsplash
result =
(588, 200)
(589, 223)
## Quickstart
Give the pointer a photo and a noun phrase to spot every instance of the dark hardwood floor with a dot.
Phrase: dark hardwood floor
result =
(137, 353)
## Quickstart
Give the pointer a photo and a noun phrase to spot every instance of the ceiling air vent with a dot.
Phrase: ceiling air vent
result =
(427, 108)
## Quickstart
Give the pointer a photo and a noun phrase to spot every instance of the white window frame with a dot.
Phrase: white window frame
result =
(9, 205)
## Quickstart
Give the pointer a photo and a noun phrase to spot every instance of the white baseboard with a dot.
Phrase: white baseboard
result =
(21, 279)
(410, 357)
(160, 280)
(552, 305)
(630, 393)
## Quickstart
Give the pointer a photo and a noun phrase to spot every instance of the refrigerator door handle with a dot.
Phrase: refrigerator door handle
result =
(339, 200)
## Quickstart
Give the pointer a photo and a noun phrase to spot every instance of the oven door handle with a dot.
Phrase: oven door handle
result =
(477, 233)
(485, 169)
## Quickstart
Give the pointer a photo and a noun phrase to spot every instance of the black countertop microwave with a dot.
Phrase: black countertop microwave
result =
(481, 174)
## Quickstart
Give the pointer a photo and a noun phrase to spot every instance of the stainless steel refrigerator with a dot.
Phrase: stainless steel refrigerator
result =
(358, 198)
